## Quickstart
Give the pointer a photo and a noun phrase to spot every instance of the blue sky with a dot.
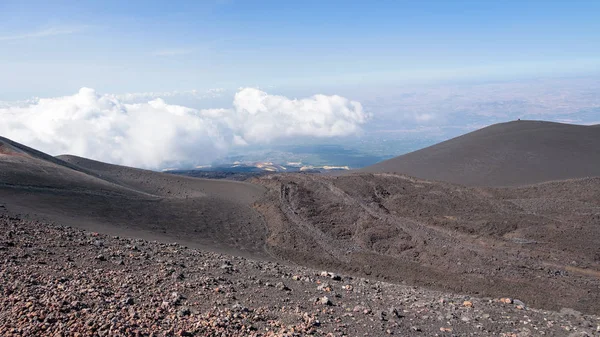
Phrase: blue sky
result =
(171, 83)
(55, 47)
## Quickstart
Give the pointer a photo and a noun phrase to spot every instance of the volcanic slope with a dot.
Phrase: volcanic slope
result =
(540, 243)
(168, 185)
(506, 154)
(216, 215)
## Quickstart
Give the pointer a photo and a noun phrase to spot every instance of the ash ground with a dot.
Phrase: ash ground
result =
(61, 281)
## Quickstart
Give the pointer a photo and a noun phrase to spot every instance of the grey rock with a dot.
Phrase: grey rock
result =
(128, 301)
(183, 312)
(282, 286)
(325, 300)
(100, 257)
(518, 302)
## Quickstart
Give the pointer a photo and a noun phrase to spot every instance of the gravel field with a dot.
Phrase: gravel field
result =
(61, 281)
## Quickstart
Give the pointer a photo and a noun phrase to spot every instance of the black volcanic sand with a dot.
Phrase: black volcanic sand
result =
(126, 201)
(506, 154)
(540, 243)
(61, 281)
(167, 185)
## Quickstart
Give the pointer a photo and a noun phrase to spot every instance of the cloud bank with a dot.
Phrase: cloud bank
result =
(138, 97)
(156, 134)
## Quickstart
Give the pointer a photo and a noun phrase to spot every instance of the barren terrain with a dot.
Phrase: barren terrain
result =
(212, 214)
(505, 154)
(58, 280)
(541, 243)
(408, 252)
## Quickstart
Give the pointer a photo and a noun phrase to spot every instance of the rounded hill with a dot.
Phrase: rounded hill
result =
(505, 154)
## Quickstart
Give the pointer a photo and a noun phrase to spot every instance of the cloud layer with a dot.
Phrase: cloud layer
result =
(156, 134)
(139, 97)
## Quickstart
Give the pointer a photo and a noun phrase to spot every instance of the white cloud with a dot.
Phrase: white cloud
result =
(156, 134)
(260, 117)
(424, 117)
(12, 104)
(138, 97)
(47, 32)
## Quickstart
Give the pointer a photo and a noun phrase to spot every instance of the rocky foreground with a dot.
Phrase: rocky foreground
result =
(60, 281)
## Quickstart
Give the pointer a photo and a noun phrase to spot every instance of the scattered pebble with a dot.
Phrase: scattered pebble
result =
(158, 289)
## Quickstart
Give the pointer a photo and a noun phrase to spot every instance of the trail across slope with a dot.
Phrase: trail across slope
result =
(212, 214)
(168, 185)
(506, 154)
(540, 243)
